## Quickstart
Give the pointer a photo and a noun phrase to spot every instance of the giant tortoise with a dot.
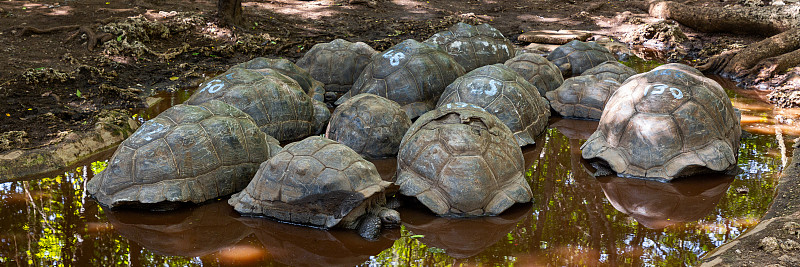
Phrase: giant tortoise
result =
(667, 123)
(321, 183)
(459, 160)
(187, 153)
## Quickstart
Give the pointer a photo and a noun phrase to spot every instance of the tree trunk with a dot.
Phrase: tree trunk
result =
(759, 61)
(748, 20)
(229, 12)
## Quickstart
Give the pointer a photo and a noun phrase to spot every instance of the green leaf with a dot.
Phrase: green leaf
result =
(416, 236)
(119, 38)
(78, 93)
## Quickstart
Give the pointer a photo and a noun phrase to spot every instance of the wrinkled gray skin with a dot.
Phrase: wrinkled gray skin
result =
(310, 86)
(321, 183)
(371, 125)
(537, 70)
(411, 73)
(461, 161)
(275, 101)
(611, 70)
(667, 123)
(582, 97)
(185, 154)
(503, 93)
(575, 57)
(474, 46)
(337, 64)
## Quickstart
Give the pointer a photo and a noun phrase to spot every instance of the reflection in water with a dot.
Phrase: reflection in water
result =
(462, 237)
(571, 222)
(304, 246)
(657, 205)
(191, 232)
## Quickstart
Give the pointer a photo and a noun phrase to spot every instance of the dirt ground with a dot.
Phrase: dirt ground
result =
(63, 61)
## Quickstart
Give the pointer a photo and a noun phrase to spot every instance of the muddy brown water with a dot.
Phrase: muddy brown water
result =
(575, 218)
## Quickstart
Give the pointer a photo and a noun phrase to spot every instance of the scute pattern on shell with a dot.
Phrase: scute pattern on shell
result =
(337, 64)
(582, 97)
(538, 71)
(503, 93)
(311, 172)
(411, 73)
(611, 70)
(315, 89)
(474, 46)
(275, 101)
(371, 125)
(576, 57)
(667, 123)
(185, 154)
(462, 161)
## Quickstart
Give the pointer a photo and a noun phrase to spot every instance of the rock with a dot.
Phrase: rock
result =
(792, 228)
(12, 139)
(769, 244)
(789, 260)
(553, 37)
(790, 245)
(662, 35)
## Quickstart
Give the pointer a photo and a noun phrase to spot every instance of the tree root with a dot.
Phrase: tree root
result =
(93, 38)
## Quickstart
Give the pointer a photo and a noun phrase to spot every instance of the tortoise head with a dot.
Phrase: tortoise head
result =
(389, 217)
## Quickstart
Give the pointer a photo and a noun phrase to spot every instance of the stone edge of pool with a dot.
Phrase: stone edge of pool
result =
(111, 128)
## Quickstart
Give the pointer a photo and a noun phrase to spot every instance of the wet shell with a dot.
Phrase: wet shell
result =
(582, 97)
(337, 64)
(576, 57)
(411, 73)
(185, 154)
(538, 71)
(316, 182)
(276, 102)
(462, 161)
(474, 46)
(667, 123)
(315, 89)
(505, 94)
(371, 125)
(611, 70)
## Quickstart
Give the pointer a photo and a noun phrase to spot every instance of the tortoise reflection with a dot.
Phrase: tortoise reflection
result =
(657, 205)
(304, 246)
(191, 231)
(463, 237)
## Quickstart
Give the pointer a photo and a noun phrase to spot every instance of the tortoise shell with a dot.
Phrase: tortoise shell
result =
(337, 64)
(276, 102)
(185, 154)
(474, 46)
(505, 94)
(411, 73)
(462, 161)
(611, 70)
(371, 125)
(537, 70)
(582, 97)
(575, 57)
(317, 182)
(667, 123)
(315, 89)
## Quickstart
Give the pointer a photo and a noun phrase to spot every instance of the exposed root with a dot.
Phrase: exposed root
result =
(33, 30)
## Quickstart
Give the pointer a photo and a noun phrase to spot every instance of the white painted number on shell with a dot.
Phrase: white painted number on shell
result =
(213, 86)
(493, 84)
(394, 57)
(660, 88)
